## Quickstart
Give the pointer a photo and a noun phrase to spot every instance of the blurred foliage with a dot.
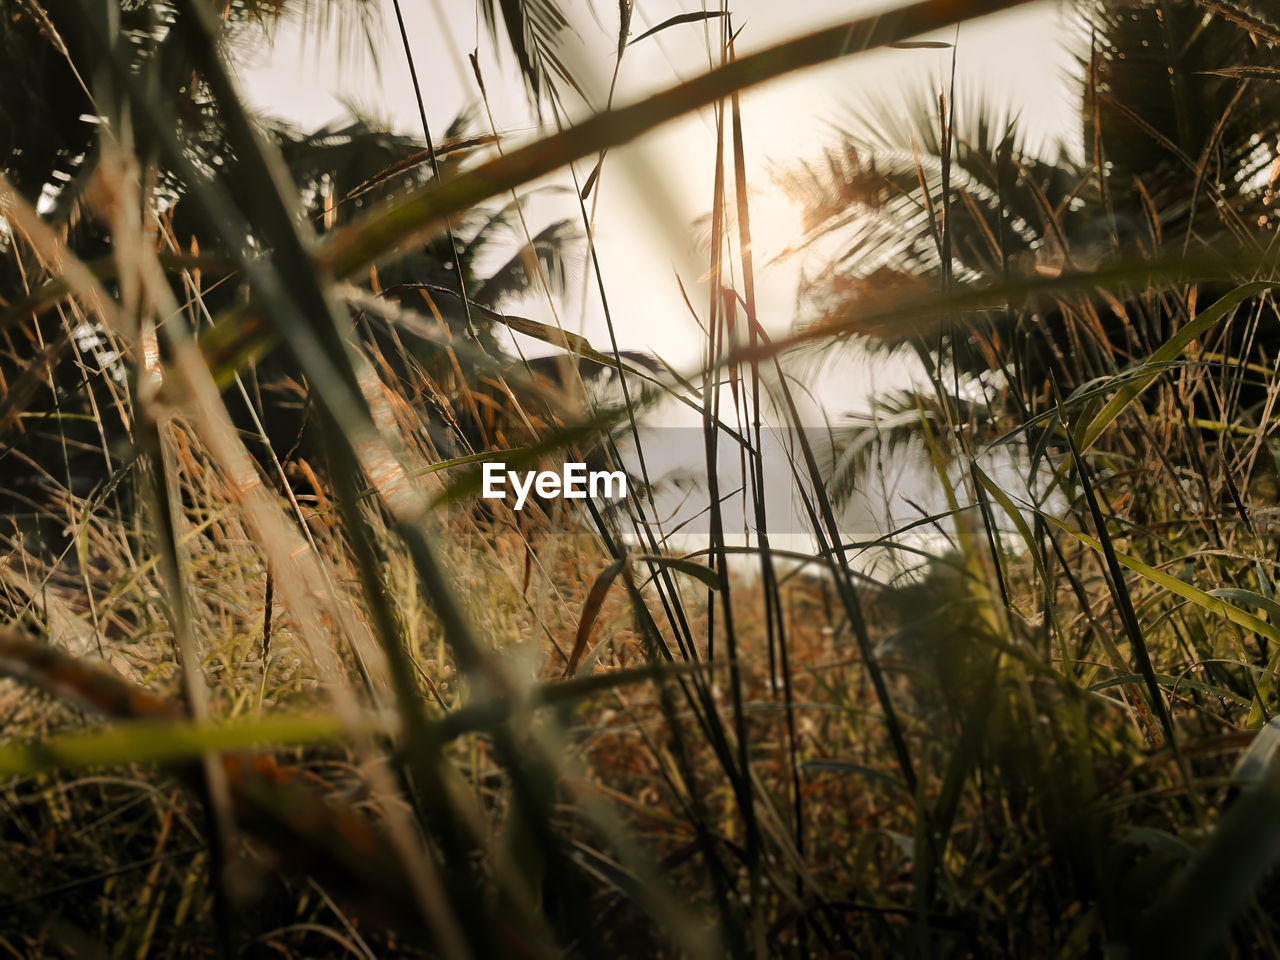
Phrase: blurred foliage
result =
(1037, 721)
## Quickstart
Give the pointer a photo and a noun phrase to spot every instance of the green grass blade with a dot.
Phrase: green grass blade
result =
(1168, 351)
(165, 741)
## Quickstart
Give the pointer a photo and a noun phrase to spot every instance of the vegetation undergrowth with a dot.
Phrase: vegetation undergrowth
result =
(280, 683)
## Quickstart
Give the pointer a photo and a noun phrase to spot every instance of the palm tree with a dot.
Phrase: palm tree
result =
(341, 170)
(1179, 113)
(73, 437)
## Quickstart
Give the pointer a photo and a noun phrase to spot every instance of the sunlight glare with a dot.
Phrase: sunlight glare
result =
(777, 223)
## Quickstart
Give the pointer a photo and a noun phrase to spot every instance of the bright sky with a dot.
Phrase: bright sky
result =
(652, 190)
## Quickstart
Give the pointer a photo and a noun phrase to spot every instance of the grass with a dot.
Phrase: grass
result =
(318, 703)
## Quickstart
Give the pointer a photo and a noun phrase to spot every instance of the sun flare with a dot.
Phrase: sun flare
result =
(777, 223)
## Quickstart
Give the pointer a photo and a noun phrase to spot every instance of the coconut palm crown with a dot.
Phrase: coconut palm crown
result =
(55, 443)
(1179, 118)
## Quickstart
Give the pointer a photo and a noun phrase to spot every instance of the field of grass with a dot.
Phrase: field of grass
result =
(274, 681)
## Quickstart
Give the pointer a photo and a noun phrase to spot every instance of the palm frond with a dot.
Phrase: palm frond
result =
(894, 424)
(533, 30)
(553, 246)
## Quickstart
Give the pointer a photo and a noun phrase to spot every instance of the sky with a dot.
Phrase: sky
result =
(651, 191)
